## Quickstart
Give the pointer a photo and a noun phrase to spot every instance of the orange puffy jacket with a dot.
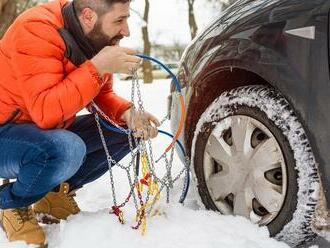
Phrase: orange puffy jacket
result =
(39, 83)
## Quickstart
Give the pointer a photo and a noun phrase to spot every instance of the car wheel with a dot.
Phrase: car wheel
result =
(252, 158)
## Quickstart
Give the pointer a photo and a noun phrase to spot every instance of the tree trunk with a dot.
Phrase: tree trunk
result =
(10, 9)
(147, 68)
(2, 5)
(225, 5)
(192, 20)
(7, 14)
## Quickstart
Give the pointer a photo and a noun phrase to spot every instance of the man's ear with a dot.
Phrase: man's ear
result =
(88, 19)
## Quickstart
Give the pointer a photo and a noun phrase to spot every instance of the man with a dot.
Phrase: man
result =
(54, 60)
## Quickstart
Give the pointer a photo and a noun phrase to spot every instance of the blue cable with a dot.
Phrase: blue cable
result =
(176, 80)
(179, 143)
(111, 127)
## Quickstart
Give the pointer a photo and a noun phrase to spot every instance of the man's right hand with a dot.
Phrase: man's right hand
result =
(115, 59)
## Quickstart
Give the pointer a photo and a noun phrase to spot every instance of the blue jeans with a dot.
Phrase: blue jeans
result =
(40, 159)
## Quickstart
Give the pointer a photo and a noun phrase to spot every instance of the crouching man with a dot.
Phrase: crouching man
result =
(54, 60)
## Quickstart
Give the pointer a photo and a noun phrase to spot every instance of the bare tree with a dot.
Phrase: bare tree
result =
(226, 4)
(146, 65)
(10, 9)
(169, 53)
(191, 18)
(223, 4)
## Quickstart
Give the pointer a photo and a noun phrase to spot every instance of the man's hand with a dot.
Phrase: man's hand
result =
(143, 124)
(115, 59)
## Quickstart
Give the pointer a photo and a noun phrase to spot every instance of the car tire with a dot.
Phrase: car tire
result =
(272, 133)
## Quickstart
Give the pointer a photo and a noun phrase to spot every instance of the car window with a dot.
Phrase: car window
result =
(156, 67)
(172, 66)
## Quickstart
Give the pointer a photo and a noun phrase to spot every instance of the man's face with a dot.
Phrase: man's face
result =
(111, 27)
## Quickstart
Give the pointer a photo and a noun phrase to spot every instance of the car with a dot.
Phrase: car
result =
(257, 91)
(157, 72)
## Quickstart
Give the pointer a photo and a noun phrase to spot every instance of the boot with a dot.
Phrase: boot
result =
(20, 224)
(56, 206)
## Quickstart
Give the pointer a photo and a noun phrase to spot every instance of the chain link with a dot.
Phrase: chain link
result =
(109, 158)
(164, 119)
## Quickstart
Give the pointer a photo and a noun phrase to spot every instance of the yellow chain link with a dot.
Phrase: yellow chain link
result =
(144, 225)
(145, 163)
(121, 218)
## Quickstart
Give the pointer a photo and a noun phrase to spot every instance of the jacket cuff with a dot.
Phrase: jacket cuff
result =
(95, 75)
(120, 111)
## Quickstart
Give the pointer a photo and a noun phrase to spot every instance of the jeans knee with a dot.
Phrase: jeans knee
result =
(66, 152)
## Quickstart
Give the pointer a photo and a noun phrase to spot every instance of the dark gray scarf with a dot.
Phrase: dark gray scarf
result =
(73, 28)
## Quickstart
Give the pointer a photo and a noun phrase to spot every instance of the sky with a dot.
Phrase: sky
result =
(168, 21)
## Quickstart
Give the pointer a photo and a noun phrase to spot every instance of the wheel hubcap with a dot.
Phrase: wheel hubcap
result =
(245, 170)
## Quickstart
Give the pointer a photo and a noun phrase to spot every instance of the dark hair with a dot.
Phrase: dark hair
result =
(99, 6)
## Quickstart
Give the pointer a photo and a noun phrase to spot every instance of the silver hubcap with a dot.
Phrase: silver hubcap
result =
(244, 169)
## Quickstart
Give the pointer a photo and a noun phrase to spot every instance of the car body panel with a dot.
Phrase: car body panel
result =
(256, 36)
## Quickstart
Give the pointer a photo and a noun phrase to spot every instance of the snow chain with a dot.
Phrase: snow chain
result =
(142, 156)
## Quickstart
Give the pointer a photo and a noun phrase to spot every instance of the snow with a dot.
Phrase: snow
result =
(178, 226)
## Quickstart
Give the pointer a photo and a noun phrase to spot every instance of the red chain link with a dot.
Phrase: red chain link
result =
(142, 214)
(145, 179)
(116, 210)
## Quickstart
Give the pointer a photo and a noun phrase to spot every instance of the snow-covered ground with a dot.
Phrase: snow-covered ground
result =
(178, 226)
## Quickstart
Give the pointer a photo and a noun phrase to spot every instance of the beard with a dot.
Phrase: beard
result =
(98, 39)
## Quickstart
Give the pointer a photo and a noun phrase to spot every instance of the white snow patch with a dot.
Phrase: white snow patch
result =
(180, 227)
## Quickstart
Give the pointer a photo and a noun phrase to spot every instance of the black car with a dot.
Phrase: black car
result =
(257, 89)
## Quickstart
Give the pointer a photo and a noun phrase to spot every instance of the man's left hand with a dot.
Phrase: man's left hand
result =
(143, 123)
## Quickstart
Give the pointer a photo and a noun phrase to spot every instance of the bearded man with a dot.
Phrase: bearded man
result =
(55, 59)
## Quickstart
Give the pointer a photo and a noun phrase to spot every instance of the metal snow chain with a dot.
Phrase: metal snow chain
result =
(111, 161)
(98, 110)
(164, 184)
(164, 119)
(140, 102)
(141, 148)
(151, 164)
(136, 82)
(109, 158)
